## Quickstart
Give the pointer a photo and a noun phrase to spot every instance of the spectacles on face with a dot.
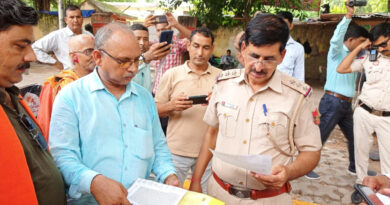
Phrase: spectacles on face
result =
(86, 52)
(37, 136)
(383, 45)
(264, 63)
(124, 64)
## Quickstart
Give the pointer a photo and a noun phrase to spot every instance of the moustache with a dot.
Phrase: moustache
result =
(131, 74)
(24, 66)
(256, 72)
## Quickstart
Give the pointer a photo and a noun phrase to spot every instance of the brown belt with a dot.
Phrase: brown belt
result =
(373, 111)
(339, 96)
(253, 194)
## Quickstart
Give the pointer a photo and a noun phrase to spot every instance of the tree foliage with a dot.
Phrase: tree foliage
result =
(227, 13)
(373, 6)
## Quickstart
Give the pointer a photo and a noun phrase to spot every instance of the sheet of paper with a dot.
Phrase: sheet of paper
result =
(257, 163)
(147, 192)
(384, 199)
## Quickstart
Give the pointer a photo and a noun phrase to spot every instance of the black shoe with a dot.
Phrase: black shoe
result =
(352, 171)
(312, 175)
(356, 198)
(374, 155)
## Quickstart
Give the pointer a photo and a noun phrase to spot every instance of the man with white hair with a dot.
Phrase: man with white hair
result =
(105, 131)
(80, 52)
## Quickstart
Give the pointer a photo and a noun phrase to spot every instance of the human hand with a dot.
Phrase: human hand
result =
(377, 183)
(157, 51)
(108, 192)
(181, 103)
(350, 10)
(172, 22)
(365, 45)
(172, 180)
(59, 65)
(196, 186)
(149, 20)
(277, 178)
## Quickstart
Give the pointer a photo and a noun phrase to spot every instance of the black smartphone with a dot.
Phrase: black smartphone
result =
(368, 195)
(160, 19)
(198, 99)
(166, 36)
(373, 54)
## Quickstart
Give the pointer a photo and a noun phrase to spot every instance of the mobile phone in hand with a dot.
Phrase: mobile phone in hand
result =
(198, 99)
(368, 195)
(166, 36)
(160, 19)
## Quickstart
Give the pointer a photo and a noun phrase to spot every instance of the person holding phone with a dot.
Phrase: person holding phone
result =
(149, 53)
(176, 97)
(373, 111)
(178, 46)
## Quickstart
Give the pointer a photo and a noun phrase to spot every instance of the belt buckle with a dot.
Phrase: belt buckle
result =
(240, 192)
(377, 112)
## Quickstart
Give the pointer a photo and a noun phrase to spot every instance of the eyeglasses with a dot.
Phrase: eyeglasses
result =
(86, 52)
(264, 63)
(383, 45)
(28, 124)
(124, 64)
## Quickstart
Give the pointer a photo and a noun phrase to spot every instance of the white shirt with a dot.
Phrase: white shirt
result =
(56, 41)
(294, 61)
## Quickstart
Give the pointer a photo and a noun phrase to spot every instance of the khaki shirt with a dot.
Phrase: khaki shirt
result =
(376, 89)
(186, 129)
(243, 125)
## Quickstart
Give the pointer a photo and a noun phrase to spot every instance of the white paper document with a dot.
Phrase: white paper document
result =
(257, 163)
(147, 192)
(384, 199)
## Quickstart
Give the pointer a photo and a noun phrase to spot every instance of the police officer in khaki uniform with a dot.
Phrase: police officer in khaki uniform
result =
(259, 110)
(373, 111)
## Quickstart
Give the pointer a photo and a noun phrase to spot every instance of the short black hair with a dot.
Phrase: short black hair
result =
(205, 32)
(72, 7)
(355, 31)
(16, 13)
(228, 50)
(137, 27)
(286, 15)
(267, 29)
(382, 29)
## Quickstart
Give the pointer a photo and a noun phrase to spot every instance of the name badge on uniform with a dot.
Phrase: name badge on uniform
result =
(229, 105)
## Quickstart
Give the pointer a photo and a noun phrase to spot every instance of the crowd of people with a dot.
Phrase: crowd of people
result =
(104, 121)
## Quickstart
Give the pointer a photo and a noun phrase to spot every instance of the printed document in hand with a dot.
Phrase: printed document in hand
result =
(257, 163)
(148, 192)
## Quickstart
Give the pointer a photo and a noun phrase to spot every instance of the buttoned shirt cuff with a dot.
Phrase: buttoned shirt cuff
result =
(86, 180)
(387, 175)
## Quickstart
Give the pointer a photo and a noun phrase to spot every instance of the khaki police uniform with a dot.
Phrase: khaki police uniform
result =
(259, 123)
(373, 112)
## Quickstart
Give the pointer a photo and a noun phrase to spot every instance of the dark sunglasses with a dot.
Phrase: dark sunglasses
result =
(383, 45)
(37, 136)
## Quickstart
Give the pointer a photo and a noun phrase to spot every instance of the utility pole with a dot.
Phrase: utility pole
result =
(60, 14)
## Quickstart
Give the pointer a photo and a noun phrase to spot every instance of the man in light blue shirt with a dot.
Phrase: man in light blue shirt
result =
(293, 63)
(227, 61)
(335, 106)
(105, 131)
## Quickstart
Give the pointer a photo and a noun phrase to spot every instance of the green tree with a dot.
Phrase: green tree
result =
(216, 13)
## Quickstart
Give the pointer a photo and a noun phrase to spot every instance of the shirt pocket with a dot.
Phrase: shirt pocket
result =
(142, 145)
(227, 118)
(274, 127)
(373, 74)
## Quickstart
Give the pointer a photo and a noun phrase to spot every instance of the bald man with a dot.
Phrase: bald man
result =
(80, 52)
(237, 44)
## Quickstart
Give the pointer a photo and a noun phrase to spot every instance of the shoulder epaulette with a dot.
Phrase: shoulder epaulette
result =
(297, 85)
(227, 74)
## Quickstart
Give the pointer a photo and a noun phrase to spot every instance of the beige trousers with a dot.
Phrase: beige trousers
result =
(364, 124)
(215, 190)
